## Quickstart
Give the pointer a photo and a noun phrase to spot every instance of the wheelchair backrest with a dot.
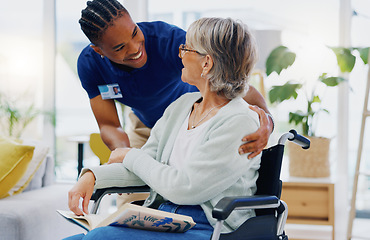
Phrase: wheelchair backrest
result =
(268, 182)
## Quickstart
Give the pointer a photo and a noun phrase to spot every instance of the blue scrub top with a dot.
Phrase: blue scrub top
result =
(147, 90)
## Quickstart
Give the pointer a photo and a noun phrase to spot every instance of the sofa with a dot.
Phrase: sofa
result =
(31, 212)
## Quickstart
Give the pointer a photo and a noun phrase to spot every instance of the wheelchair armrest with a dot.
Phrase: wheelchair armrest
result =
(226, 205)
(100, 193)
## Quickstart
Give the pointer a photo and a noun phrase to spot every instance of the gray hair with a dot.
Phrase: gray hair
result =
(232, 48)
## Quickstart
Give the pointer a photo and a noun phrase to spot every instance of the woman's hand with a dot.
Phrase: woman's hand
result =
(82, 189)
(118, 155)
(257, 140)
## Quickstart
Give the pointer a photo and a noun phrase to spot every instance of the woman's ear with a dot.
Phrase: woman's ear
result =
(207, 64)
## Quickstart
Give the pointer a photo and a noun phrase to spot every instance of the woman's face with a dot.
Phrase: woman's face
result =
(192, 61)
(123, 43)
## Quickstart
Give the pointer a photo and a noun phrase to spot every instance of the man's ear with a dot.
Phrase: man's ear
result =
(207, 64)
(97, 50)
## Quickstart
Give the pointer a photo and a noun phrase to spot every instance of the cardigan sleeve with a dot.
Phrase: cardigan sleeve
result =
(215, 164)
(117, 175)
(113, 175)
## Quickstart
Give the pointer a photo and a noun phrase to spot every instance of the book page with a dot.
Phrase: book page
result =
(88, 221)
(95, 219)
(79, 220)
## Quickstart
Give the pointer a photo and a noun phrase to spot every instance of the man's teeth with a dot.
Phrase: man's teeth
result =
(137, 56)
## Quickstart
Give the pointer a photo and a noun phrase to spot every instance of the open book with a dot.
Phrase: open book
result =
(133, 216)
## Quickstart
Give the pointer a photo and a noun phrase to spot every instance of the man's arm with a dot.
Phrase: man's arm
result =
(253, 97)
(257, 140)
(111, 131)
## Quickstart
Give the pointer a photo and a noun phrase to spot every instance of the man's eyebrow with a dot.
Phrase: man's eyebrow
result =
(119, 45)
(134, 32)
(123, 44)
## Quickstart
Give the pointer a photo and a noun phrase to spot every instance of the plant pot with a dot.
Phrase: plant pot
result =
(313, 162)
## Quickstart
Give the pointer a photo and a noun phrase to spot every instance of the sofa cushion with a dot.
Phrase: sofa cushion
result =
(33, 178)
(49, 177)
(14, 160)
(36, 181)
(32, 215)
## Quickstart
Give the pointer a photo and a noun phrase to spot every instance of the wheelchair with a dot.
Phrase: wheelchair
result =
(271, 211)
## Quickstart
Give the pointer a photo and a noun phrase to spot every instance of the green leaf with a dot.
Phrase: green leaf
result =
(316, 99)
(325, 110)
(280, 58)
(296, 117)
(346, 61)
(364, 54)
(299, 118)
(332, 81)
(284, 92)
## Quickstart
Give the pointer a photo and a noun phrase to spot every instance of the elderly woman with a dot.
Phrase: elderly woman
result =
(191, 159)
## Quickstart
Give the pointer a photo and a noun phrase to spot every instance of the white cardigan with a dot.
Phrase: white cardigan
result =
(215, 169)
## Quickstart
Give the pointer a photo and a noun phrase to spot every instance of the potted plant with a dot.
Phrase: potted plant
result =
(314, 162)
(14, 118)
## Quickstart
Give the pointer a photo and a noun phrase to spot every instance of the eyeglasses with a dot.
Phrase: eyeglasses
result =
(183, 49)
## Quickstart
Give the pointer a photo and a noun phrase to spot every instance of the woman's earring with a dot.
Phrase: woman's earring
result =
(102, 56)
(201, 75)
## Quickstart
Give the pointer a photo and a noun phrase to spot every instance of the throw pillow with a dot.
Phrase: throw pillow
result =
(32, 179)
(14, 160)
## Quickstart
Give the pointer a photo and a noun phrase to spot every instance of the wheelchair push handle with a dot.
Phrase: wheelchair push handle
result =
(293, 136)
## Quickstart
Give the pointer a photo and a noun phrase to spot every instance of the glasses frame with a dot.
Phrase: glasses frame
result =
(183, 50)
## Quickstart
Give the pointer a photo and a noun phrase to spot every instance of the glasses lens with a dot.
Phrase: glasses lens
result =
(181, 50)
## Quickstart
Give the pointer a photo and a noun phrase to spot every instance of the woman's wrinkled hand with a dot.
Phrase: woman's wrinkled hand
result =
(84, 189)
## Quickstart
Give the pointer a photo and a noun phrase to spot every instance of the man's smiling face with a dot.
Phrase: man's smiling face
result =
(123, 42)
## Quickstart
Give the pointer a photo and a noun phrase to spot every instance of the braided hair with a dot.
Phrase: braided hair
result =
(97, 16)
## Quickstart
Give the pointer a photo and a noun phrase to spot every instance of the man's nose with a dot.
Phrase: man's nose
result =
(133, 48)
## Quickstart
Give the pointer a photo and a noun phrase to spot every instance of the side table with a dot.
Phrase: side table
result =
(80, 140)
(309, 202)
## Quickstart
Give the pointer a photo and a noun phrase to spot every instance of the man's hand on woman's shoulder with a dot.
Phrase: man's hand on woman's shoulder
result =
(259, 139)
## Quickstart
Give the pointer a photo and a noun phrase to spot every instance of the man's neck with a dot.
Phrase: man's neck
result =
(122, 67)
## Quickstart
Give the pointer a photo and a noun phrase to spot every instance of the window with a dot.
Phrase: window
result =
(21, 60)
(73, 114)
